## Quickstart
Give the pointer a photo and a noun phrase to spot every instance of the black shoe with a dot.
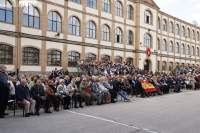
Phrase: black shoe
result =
(81, 106)
(5, 114)
(37, 113)
(2, 116)
(48, 112)
(31, 113)
(66, 108)
(27, 115)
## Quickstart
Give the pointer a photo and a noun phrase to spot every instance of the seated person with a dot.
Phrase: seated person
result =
(75, 92)
(85, 88)
(64, 93)
(38, 94)
(23, 97)
(51, 97)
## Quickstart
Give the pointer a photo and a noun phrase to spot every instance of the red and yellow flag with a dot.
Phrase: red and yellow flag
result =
(148, 87)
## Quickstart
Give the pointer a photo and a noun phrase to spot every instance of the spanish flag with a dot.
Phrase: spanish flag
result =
(148, 87)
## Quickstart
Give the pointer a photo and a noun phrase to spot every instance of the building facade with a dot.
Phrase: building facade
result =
(59, 33)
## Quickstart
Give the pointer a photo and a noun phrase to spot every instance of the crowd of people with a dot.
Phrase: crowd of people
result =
(98, 83)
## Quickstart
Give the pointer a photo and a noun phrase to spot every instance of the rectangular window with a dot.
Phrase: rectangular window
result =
(49, 25)
(30, 21)
(2, 15)
(9, 17)
(25, 20)
(37, 22)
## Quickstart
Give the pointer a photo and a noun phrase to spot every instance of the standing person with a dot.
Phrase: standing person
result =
(38, 94)
(23, 96)
(4, 90)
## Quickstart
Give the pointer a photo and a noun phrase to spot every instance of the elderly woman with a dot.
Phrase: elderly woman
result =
(104, 90)
(75, 92)
(64, 93)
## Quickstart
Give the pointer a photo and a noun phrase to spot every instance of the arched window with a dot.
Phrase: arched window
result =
(164, 66)
(31, 17)
(159, 23)
(92, 3)
(198, 37)
(54, 21)
(91, 30)
(54, 58)
(158, 44)
(182, 49)
(76, 1)
(193, 35)
(129, 61)
(188, 50)
(197, 52)
(106, 6)
(177, 48)
(74, 26)
(90, 57)
(171, 27)
(130, 37)
(30, 56)
(105, 33)
(148, 17)
(170, 66)
(183, 31)
(73, 58)
(164, 25)
(130, 12)
(118, 59)
(193, 50)
(118, 8)
(171, 48)
(177, 29)
(164, 48)
(118, 35)
(188, 32)
(147, 40)
(6, 11)
(105, 58)
(6, 54)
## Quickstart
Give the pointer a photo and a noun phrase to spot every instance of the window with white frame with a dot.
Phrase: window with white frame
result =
(106, 6)
(74, 26)
(130, 37)
(91, 30)
(130, 12)
(105, 33)
(118, 35)
(148, 40)
(148, 17)
(118, 8)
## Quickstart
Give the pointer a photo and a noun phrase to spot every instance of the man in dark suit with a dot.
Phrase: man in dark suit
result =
(23, 97)
(4, 90)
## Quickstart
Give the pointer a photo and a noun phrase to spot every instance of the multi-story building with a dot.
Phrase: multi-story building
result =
(60, 33)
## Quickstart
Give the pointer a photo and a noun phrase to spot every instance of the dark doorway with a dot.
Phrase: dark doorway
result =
(147, 65)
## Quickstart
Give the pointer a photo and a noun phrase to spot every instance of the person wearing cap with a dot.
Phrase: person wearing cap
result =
(4, 90)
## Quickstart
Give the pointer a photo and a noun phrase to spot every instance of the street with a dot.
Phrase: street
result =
(172, 113)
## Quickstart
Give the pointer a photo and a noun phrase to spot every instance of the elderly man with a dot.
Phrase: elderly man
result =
(4, 90)
(23, 96)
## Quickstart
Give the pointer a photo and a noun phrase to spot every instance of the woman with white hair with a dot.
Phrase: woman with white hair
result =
(64, 93)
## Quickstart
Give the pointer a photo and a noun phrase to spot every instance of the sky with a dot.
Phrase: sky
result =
(188, 10)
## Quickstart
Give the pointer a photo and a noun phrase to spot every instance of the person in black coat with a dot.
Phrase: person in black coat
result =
(38, 94)
(4, 91)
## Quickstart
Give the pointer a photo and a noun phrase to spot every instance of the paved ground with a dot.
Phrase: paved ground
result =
(173, 113)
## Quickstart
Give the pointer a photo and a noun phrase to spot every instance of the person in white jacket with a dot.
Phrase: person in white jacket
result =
(64, 94)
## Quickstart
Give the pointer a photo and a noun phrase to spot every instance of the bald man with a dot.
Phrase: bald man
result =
(4, 90)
